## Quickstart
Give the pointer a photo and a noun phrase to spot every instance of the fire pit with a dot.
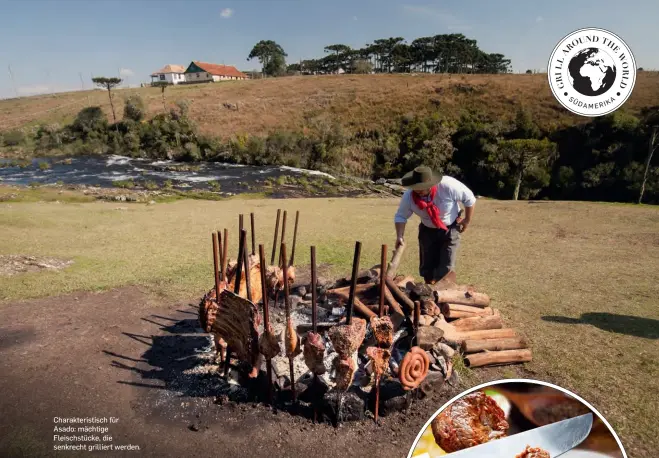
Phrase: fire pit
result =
(340, 350)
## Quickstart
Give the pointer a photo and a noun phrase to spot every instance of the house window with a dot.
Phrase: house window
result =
(162, 77)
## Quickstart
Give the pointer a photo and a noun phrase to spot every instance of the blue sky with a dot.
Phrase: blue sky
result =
(50, 43)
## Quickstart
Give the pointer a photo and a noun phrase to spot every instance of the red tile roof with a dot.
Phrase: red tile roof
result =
(220, 70)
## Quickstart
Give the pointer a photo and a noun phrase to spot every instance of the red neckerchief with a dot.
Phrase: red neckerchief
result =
(430, 207)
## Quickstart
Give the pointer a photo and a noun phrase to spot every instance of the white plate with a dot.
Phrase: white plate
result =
(583, 454)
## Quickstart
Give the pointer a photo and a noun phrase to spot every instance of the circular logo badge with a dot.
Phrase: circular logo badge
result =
(592, 72)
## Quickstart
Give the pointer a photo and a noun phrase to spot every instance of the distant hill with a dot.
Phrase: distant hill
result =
(357, 101)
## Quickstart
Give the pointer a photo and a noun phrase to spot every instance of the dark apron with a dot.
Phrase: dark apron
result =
(437, 251)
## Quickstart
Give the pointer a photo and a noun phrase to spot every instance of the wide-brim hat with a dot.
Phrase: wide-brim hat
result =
(421, 178)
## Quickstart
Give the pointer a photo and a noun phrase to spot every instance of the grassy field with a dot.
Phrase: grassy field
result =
(581, 280)
(357, 101)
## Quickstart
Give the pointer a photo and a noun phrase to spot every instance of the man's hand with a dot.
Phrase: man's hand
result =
(399, 241)
(463, 224)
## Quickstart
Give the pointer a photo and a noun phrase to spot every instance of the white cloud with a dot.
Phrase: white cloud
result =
(539, 19)
(126, 72)
(226, 13)
(443, 17)
(33, 90)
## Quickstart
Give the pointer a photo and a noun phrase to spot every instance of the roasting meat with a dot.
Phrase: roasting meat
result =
(380, 358)
(254, 279)
(208, 308)
(471, 420)
(275, 277)
(345, 372)
(383, 330)
(346, 338)
(291, 341)
(236, 322)
(314, 351)
(269, 344)
(531, 452)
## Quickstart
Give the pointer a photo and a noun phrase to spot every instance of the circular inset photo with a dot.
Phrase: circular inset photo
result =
(517, 419)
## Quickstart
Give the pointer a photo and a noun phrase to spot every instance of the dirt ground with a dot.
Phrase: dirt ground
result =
(117, 354)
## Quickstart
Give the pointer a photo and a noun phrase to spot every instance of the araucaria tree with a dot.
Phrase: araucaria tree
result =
(271, 55)
(109, 84)
(162, 85)
(519, 157)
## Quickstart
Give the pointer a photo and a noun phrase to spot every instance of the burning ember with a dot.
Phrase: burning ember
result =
(335, 343)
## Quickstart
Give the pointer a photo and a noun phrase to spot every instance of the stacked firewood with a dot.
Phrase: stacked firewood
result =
(450, 313)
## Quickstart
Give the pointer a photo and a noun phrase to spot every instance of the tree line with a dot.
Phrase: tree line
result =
(445, 53)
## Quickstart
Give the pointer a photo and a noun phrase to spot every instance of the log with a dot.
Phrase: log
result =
(461, 311)
(478, 323)
(400, 296)
(402, 283)
(393, 303)
(478, 345)
(459, 337)
(395, 260)
(455, 296)
(358, 305)
(489, 358)
(359, 289)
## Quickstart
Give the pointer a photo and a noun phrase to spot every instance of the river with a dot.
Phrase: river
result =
(105, 171)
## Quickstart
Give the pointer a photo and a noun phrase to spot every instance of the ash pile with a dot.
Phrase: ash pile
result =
(346, 349)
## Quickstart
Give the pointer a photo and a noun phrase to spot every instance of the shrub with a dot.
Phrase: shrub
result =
(90, 123)
(150, 185)
(134, 108)
(124, 184)
(49, 136)
(13, 138)
(44, 165)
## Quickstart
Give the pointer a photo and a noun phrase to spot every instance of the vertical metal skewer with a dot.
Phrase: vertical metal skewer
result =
(266, 318)
(225, 254)
(216, 265)
(248, 280)
(251, 217)
(381, 312)
(220, 249)
(353, 282)
(288, 315)
(297, 217)
(314, 310)
(236, 290)
(274, 242)
(241, 222)
(283, 240)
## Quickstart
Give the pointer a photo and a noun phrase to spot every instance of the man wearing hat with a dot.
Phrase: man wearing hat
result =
(435, 199)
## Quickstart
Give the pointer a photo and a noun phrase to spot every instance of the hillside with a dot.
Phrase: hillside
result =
(356, 101)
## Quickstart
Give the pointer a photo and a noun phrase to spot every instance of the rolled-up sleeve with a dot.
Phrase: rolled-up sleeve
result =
(463, 194)
(404, 210)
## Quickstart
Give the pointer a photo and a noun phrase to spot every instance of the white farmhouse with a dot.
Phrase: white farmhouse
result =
(202, 72)
(172, 74)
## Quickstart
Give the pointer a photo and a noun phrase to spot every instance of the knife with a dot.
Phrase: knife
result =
(557, 439)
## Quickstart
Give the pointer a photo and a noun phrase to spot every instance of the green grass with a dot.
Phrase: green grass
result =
(548, 268)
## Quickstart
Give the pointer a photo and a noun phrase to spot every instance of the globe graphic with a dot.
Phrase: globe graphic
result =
(592, 72)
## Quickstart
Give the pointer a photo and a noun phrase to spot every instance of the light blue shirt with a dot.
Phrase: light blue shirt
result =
(450, 192)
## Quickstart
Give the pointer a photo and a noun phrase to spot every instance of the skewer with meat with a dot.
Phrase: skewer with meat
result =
(346, 339)
(383, 330)
(531, 452)
(314, 351)
(208, 308)
(380, 360)
(471, 420)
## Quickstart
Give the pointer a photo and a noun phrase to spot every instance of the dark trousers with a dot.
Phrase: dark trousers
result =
(437, 251)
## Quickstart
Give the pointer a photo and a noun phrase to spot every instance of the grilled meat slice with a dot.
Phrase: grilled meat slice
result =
(269, 344)
(345, 372)
(383, 330)
(380, 358)
(291, 341)
(471, 420)
(346, 338)
(314, 351)
(531, 452)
